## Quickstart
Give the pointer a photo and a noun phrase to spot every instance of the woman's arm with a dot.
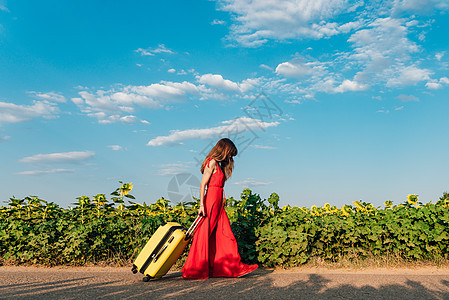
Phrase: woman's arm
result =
(207, 173)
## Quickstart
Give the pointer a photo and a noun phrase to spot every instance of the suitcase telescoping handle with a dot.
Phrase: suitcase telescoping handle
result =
(192, 227)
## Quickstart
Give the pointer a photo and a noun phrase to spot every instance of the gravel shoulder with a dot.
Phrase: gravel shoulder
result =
(296, 283)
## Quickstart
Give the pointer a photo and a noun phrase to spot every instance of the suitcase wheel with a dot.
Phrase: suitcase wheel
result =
(146, 278)
(134, 269)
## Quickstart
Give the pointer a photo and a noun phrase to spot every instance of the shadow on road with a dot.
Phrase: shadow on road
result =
(259, 284)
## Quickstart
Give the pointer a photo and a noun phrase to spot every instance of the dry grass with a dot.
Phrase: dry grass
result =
(386, 261)
(353, 262)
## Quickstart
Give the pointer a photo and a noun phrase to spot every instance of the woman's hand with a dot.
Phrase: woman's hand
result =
(202, 211)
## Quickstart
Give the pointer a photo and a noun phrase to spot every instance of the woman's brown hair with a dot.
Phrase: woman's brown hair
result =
(223, 152)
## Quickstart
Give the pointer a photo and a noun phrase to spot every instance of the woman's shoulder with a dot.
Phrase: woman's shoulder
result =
(211, 162)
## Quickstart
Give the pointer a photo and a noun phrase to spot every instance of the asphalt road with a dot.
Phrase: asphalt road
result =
(301, 283)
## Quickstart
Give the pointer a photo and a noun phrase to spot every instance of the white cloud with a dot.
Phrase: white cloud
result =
(382, 54)
(407, 98)
(324, 29)
(101, 101)
(218, 22)
(382, 50)
(382, 37)
(80, 87)
(257, 21)
(165, 91)
(349, 85)
(290, 69)
(171, 71)
(440, 55)
(59, 158)
(50, 96)
(252, 182)
(45, 172)
(263, 147)
(173, 169)
(241, 124)
(309, 77)
(444, 80)
(409, 75)
(435, 84)
(418, 6)
(103, 118)
(385, 49)
(4, 138)
(151, 52)
(115, 147)
(326, 85)
(293, 101)
(14, 113)
(129, 119)
(115, 105)
(3, 6)
(383, 110)
(217, 81)
(119, 104)
(263, 66)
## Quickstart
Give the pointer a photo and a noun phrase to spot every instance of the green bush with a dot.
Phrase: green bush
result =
(100, 230)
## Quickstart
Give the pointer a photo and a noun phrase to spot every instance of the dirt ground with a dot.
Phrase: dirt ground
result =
(298, 283)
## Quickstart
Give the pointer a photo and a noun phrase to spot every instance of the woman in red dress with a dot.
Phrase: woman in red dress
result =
(214, 251)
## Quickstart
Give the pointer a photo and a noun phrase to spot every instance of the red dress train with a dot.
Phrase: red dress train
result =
(214, 250)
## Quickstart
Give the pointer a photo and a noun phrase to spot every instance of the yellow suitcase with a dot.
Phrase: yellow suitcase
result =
(163, 249)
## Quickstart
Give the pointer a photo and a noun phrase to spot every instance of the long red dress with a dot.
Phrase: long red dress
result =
(214, 250)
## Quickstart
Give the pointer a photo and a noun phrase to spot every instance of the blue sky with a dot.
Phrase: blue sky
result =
(94, 92)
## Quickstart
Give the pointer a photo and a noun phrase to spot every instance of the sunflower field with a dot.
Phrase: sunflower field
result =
(97, 229)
